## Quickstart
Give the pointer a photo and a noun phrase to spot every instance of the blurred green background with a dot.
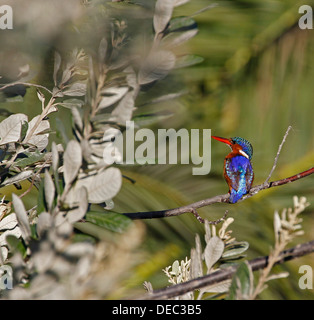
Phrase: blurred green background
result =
(256, 79)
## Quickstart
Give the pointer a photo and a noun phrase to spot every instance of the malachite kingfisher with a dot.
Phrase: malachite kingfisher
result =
(238, 170)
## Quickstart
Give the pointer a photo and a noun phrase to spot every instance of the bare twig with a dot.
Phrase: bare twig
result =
(4, 86)
(224, 274)
(213, 222)
(277, 156)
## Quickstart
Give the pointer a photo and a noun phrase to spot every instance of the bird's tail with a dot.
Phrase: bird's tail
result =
(235, 196)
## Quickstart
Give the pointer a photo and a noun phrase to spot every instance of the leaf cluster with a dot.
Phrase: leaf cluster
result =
(100, 89)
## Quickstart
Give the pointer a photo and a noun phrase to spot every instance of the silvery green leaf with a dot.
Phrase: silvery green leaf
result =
(39, 141)
(196, 258)
(49, 190)
(17, 178)
(131, 77)
(76, 89)
(157, 66)
(111, 95)
(175, 268)
(24, 71)
(78, 213)
(179, 24)
(213, 251)
(43, 127)
(109, 220)
(163, 13)
(86, 150)
(9, 222)
(70, 103)
(14, 232)
(79, 249)
(40, 96)
(64, 229)
(208, 234)
(10, 128)
(57, 93)
(234, 250)
(242, 282)
(101, 186)
(38, 136)
(196, 265)
(188, 60)
(22, 217)
(66, 75)
(175, 39)
(108, 205)
(76, 116)
(43, 258)
(44, 222)
(72, 161)
(55, 156)
(280, 275)
(57, 64)
(104, 185)
(148, 286)
(31, 157)
(3, 254)
(124, 110)
(277, 225)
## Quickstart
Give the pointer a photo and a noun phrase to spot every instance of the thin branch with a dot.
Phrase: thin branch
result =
(213, 222)
(4, 86)
(224, 198)
(224, 274)
(277, 156)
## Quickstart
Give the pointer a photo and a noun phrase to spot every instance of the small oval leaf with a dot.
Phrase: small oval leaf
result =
(234, 250)
(163, 13)
(72, 161)
(11, 127)
(49, 190)
(213, 251)
(22, 217)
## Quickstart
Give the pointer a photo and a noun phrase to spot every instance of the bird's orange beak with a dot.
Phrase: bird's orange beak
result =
(224, 140)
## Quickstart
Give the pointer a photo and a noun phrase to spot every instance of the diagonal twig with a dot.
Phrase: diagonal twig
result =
(278, 153)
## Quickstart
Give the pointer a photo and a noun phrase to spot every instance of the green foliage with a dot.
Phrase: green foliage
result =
(112, 221)
(100, 63)
(100, 87)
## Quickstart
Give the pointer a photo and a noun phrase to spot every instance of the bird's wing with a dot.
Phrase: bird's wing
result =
(232, 174)
(239, 173)
(249, 176)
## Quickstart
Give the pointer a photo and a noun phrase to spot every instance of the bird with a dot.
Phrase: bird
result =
(238, 170)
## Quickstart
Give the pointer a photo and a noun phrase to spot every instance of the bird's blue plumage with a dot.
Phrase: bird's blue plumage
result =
(239, 172)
